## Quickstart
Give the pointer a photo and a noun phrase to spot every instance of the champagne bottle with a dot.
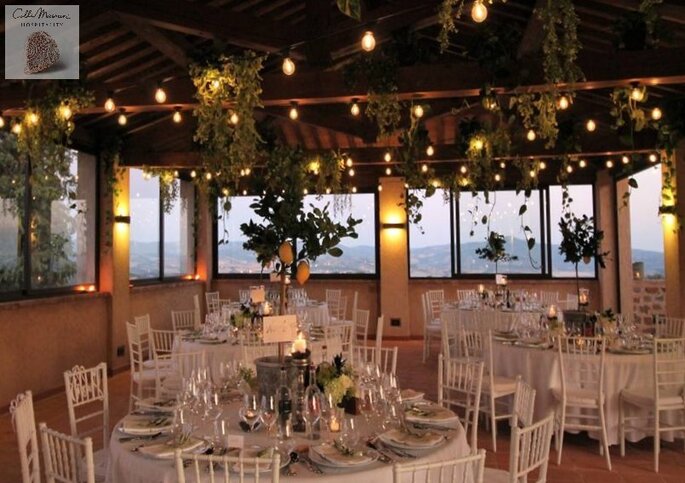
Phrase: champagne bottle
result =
(285, 406)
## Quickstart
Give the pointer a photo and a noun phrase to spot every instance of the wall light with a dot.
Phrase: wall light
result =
(392, 225)
(123, 219)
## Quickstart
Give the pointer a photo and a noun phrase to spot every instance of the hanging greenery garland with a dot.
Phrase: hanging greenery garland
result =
(169, 186)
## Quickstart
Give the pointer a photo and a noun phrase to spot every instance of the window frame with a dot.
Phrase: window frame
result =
(264, 275)
(27, 292)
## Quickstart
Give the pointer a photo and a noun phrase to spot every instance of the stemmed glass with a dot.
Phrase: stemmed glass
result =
(349, 436)
(312, 410)
(368, 403)
(249, 411)
(267, 413)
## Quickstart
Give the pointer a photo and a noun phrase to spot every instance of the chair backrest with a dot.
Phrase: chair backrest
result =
(339, 335)
(549, 298)
(379, 332)
(452, 346)
(473, 342)
(581, 361)
(227, 468)
(212, 300)
(530, 450)
(435, 299)
(187, 362)
(88, 399)
(162, 342)
(355, 303)
(386, 359)
(197, 309)
(143, 325)
(465, 468)
(361, 325)
(459, 384)
(669, 368)
(669, 327)
(524, 404)
(67, 459)
(466, 295)
(24, 425)
(183, 320)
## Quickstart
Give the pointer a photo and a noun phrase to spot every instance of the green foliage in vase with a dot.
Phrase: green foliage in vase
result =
(495, 249)
(580, 242)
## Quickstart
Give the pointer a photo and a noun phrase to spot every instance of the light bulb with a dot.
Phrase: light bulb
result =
(424, 168)
(380, 187)
(160, 95)
(387, 157)
(582, 163)
(653, 158)
(65, 112)
(368, 41)
(354, 189)
(305, 191)
(244, 192)
(498, 177)
(478, 144)
(463, 169)
(609, 164)
(388, 171)
(354, 109)
(33, 118)
(122, 120)
(349, 162)
(328, 191)
(502, 165)
(637, 94)
(288, 66)
(590, 125)
(110, 106)
(293, 114)
(625, 159)
(532, 173)
(208, 176)
(542, 165)
(418, 111)
(216, 84)
(225, 191)
(2, 122)
(177, 117)
(479, 12)
(430, 150)
(16, 128)
(656, 113)
(563, 103)
(234, 119)
(569, 169)
(351, 172)
(530, 135)
(176, 173)
(247, 171)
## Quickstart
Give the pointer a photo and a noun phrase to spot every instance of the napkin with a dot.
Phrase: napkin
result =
(429, 413)
(332, 455)
(411, 440)
(142, 425)
(167, 449)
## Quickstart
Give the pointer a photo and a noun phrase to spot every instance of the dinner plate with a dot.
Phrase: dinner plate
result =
(401, 439)
(158, 405)
(634, 352)
(166, 450)
(532, 345)
(429, 413)
(138, 425)
(409, 395)
(327, 455)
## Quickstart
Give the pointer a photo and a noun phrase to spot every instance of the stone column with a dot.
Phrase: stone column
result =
(605, 207)
(624, 254)
(204, 262)
(674, 242)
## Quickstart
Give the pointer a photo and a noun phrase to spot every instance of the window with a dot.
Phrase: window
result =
(502, 209)
(162, 243)
(359, 255)
(62, 233)
(430, 241)
(582, 196)
(646, 233)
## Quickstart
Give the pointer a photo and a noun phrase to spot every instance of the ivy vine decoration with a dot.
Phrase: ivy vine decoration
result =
(527, 182)
(495, 250)
(671, 132)
(110, 162)
(229, 138)
(482, 143)
(449, 11)
(539, 113)
(351, 8)
(169, 186)
(629, 114)
(641, 29)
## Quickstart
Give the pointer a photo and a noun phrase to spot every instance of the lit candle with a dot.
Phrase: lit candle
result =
(552, 312)
(481, 288)
(334, 424)
(582, 299)
(299, 344)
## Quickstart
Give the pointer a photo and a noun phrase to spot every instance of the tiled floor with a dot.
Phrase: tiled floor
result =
(581, 463)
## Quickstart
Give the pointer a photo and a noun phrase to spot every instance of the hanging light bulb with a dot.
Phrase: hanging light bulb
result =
(293, 114)
(532, 173)
(33, 118)
(387, 157)
(653, 158)
(424, 168)
(625, 159)
(247, 171)
(563, 103)
(122, 119)
(216, 83)
(288, 66)
(498, 177)
(530, 135)
(388, 171)
(502, 165)
(244, 192)
(590, 125)
(354, 108)
(479, 12)
(305, 191)
(430, 150)
(582, 163)
(656, 114)
(193, 173)
(418, 111)
(349, 162)
(233, 118)
(368, 41)
(208, 176)
(351, 172)
(380, 187)
(177, 117)
(110, 106)
(176, 173)
(542, 165)
(2, 121)
(637, 93)
(354, 189)
(569, 169)
(225, 191)
(463, 169)
(609, 164)
(65, 111)
(16, 128)
(160, 94)
(328, 191)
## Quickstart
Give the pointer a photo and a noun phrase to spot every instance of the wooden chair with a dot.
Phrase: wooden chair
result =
(212, 300)
(67, 459)
(581, 361)
(183, 320)
(549, 298)
(466, 468)
(333, 297)
(385, 357)
(666, 394)
(162, 342)
(201, 468)
(24, 426)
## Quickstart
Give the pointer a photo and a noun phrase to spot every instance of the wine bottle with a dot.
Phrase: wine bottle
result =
(285, 407)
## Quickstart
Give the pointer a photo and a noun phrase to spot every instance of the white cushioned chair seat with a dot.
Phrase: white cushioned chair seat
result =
(645, 398)
(578, 397)
(503, 385)
(491, 475)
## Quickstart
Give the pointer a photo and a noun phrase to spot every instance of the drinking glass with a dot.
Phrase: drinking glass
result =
(312, 411)
(267, 413)
(249, 411)
(368, 404)
(349, 435)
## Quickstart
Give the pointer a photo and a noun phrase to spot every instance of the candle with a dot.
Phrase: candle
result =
(481, 288)
(299, 344)
(583, 299)
(552, 312)
(334, 424)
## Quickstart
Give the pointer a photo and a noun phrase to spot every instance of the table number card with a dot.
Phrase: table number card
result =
(279, 328)
(257, 294)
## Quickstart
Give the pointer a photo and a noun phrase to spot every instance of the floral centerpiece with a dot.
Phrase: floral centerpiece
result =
(605, 323)
(337, 381)
(554, 323)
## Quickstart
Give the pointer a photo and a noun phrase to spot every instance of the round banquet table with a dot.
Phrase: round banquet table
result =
(540, 369)
(316, 313)
(127, 466)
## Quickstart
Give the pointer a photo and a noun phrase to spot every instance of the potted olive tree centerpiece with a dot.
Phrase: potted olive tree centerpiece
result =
(494, 250)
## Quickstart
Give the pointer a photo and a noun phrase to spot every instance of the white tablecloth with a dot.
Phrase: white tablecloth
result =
(540, 369)
(316, 313)
(131, 467)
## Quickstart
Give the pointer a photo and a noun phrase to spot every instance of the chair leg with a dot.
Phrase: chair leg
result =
(657, 441)
(605, 444)
(621, 427)
(493, 422)
(560, 437)
(425, 345)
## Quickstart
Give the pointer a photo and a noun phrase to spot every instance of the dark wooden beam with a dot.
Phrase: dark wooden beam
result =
(531, 40)
(318, 23)
(332, 121)
(671, 11)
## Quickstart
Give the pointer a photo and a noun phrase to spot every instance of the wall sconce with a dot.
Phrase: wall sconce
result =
(122, 219)
(392, 225)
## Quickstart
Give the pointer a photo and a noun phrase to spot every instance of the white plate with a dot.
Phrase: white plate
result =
(389, 439)
(252, 452)
(159, 405)
(446, 415)
(409, 395)
(135, 425)
(320, 460)
(164, 450)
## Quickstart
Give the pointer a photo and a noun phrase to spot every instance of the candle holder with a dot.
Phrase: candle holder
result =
(300, 360)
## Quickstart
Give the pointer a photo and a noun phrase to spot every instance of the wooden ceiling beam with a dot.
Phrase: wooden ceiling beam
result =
(670, 11)
(532, 37)
(174, 48)
(333, 122)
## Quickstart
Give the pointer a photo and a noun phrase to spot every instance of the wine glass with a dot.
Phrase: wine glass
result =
(368, 401)
(267, 413)
(249, 411)
(349, 435)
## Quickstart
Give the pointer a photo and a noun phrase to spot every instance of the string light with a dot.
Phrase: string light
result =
(16, 128)
(354, 108)
(225, 191)
(247, 171)
(216, 84)
(569, 169)
(430, 150)
(380, 187)
(424, 168)
(2, 121)
(177, 117)
(387, 157)
(65, 111)
(368, 41)
(233, 118)
(502, 164)
(653, 158)
(609, 164)
(479, 12)
(288, 66)
(625, 159)
(175, 173)
(498, 177)
(563, 103)
(33, 118)
(463, 169)
(542, 165)
(193, 173)
(388, 171)
(328, 191)
(532, 173)
(478, 144)
(160, 94)
(418, 111)
(122, 119)
(208, 176)
(305, 191)
(110, 106)
(530, 135)
(293, 114)
(354, 189)
(582, 163)
(244, 192)
(656, 113)
(351, 172)
(637, 93)
(349, 162)
(590, 125)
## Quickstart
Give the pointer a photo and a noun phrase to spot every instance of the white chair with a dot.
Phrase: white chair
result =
(183, 320)
(197, 309)
(333, 297)
(24, 425)
(466, 468)
(67, 459)
(338, 338)
(361, 326)
(212, 300)
(549, 298)
(88, 407)
(143, 325)
(581, 361)
(571, 302)
(669, 327)
(529, 451)
(162, 342)
(143, 376)
(666, 394)
(431, 321)
(473, 346)
(459, 384)
(452, 346)
(379, 332)
(181, 366)
(524, 404)
(466, 295)
(228, 469)
(342, 308)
